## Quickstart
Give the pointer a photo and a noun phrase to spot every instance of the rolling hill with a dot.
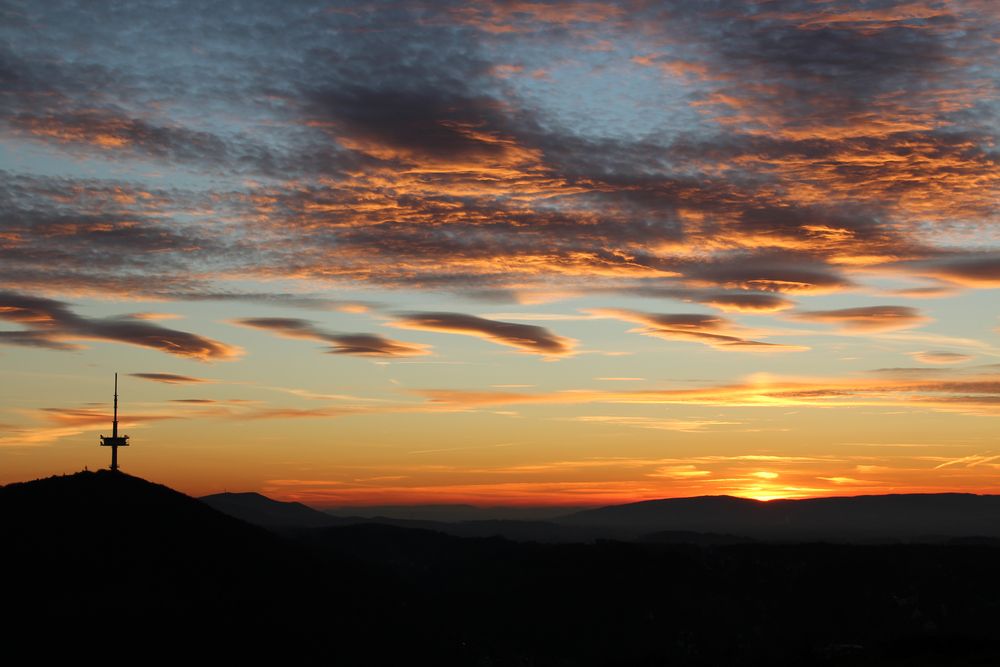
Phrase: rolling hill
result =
(862, 518)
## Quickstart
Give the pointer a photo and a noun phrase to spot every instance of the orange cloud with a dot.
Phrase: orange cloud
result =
(747, 302)
(976, 394)
(155, 316)
(677, 67)
(681, 425)
(516, 17)
(57, 423)
(869, 19)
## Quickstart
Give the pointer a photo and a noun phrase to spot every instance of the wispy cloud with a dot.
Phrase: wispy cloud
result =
(168, 378)
(52, 424)
(941, 357)
(968, 461)
(970, 394)
(362, 345)
(682, 425)
(864, 319)
(710, 330)
(51, 324)
(525, 337)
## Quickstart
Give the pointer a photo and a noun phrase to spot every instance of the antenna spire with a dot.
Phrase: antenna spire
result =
(114, 441)
(114, 424)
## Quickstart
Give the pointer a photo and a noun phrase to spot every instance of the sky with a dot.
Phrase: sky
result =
(503, 253)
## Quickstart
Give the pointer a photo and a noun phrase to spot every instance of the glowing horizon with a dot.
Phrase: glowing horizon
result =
(526, 253)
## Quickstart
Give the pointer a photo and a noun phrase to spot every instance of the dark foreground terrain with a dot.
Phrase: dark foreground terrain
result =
(95, 562)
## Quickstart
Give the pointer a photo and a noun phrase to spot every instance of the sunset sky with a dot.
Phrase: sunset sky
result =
(507, 253)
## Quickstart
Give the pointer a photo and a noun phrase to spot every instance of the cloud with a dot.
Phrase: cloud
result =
(525, 337)
(110, 131)
(679, 472)
(376, 346)
(746, 302)
(712, 330)
(927, 292)
(869, 318)
(416, 125)
(681, 425)
(970, 461)
(769, 272)
(51, 324)
(168, 378)
(804, 145)
(737, 300)
(285, 299)
(973, 270)
(93, 416)
(364, 345)
(56, 423)
(939, 357)
(154, 316)
(518, 17)
(967, 393)
(75, 235)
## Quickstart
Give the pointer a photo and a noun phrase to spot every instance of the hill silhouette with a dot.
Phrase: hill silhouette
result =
(96, 551)
(263, 511)
(112, 558)
(861, 518)
(277, 515)
(700, 520)
(452, 513)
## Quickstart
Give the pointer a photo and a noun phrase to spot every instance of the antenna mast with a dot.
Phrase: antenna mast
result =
(114, 423)
(115, 441)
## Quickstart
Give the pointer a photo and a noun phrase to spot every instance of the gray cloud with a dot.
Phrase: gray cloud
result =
(53, 325)
(526, 337)
(168, 378)
(868, 318)
(364, 345)
(710, 330)
(941, 357)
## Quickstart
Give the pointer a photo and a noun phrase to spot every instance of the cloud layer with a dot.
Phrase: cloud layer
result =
(786, 149)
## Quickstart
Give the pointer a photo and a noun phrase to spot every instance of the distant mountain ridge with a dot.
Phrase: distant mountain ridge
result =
(893, 516)
(703, 519)
(279, 515)
(454, 512)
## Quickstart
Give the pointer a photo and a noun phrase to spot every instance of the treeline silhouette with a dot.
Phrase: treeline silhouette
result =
(95, 555)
